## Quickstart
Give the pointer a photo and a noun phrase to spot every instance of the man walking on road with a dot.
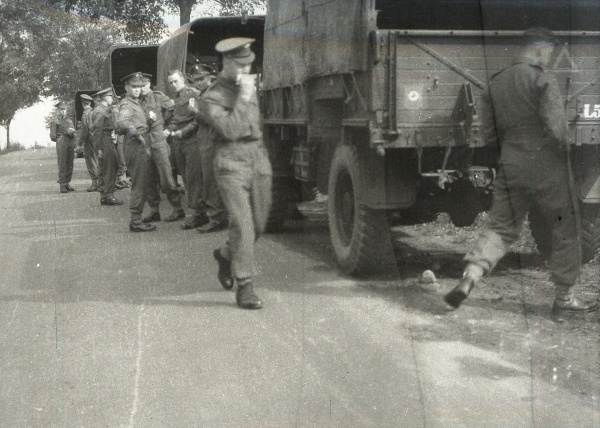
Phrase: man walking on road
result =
(133, 123)
(184, 143)
(103, 136)
(531, 124)
(63, 133)
(85, 141)
(242, 166)
(157, 106)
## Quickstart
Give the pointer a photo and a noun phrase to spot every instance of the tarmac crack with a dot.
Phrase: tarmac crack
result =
(138, 368)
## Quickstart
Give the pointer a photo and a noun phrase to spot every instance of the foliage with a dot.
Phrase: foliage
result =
(26, 32)
(12, 147)
(221, 7)
(79, 58)
(140, 21)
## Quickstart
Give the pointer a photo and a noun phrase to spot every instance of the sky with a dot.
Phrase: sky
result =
(29, 126)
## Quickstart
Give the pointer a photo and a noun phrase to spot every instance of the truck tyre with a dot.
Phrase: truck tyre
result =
(283, 195)
(360, 236)
(590, 231)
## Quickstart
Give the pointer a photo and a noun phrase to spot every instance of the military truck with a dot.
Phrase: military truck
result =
(375, 102)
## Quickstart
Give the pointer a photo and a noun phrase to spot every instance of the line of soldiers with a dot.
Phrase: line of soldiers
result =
(211, 133)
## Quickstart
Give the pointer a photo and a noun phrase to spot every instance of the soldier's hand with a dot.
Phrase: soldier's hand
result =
(71, 131)
(99, 154)
(176, 134)
(247, 83)
(167, 133)
(152, 116)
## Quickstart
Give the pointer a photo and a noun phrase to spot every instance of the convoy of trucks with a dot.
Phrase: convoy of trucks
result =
(375, 103)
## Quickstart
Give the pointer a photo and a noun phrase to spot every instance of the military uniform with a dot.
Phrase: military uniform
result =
(243, 172)
(531, 126)
(102, 130)
(132, 122)
(160, 167)
(91, 161)
(62, 132)
(186, 152)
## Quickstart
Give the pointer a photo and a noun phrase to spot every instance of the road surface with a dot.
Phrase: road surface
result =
(100, 327)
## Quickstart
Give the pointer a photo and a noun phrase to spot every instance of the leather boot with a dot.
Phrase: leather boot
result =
(63, 188)
(246, 298)
(459, 293)
(566, 302)
(93, 187)
(69, 187)
(224, 274)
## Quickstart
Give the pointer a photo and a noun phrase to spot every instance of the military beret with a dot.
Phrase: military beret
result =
(200, 70)
(60, 104)
(136, 78)
(103, 92)
(539, 35)
(86, 97)
(237, 48)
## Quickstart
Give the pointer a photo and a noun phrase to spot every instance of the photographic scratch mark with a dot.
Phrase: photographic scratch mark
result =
(138, 368)
(418, 374)
(12, 317)
(56, 325)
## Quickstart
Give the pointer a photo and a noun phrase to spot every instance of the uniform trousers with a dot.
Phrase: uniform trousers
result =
(244, 178)
(65, 154)
(210, 190)
(121, 164)
(539, 179)
(138, 164)
(91, 161)
(189, 164)
(107, 166)
(160, 173)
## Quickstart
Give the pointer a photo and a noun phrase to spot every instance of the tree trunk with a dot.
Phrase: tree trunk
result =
(185, 11)
(8, 134)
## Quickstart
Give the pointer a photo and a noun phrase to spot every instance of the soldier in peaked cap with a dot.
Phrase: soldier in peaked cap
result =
(103, 119)
(182, 131)
(201, 76)
(159, 108)
(241, 164)
(133, 122)
(62, 132)
(85, 141)
(530, 121)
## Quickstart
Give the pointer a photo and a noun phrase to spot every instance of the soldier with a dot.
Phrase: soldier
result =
(532, 128)
(133, 123)
(158, 106)
(184, 143)
(201, 79)
(63, 133)
(103, 136)
(85, 141)
(242, 166)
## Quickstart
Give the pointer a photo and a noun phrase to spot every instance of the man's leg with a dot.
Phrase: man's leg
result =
(91, 164)
(162, 169)
(210, 192)
(138, 164)
(61, 157)
(193, 185)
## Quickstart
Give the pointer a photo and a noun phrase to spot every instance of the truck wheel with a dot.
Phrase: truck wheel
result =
(360, 236)
(541, 233)
(283, 195)
(590, 231)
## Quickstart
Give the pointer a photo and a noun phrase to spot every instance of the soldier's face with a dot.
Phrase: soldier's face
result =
(62, 111)
(176, 82)
(233, 68)
(146, 89)
(133, 91)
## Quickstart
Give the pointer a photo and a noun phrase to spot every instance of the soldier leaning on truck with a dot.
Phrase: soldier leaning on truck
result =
(184, 144)
(201, 76)
(103, 136)
(85, 141)
(158, 107)
(531, 125)
(63, 133)
(241, 165)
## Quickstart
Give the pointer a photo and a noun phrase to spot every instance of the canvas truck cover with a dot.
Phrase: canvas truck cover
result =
(171, 54)
(313, 38)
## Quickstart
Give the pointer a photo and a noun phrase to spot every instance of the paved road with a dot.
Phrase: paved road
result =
(100, 327)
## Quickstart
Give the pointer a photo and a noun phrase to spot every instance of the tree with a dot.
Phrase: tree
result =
(222, 7)
(140, 21)
(79, 57)
(27, 29)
